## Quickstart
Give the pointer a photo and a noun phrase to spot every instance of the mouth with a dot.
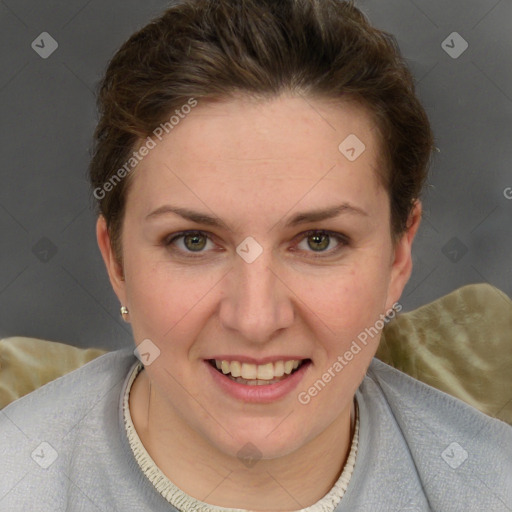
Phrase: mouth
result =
(258, 374)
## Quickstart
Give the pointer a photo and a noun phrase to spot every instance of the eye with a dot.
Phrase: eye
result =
(320, 241)
(313, 241)
(190, 241)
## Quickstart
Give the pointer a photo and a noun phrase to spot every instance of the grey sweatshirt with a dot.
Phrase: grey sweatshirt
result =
(64, 447)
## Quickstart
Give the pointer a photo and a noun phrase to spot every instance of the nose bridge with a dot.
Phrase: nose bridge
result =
(256, 304)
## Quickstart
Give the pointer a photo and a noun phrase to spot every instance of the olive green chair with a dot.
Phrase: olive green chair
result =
(460, 343)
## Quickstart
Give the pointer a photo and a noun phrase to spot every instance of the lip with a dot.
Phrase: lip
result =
(264, 394)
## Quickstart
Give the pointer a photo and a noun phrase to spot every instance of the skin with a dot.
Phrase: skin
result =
(254, 165)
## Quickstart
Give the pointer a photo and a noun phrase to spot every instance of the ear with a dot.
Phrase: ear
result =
(114, 269)
(401, 266)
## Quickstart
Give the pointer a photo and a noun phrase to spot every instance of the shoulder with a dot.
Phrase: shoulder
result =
(455, 448)
(61, 428)
(425, 403)
(72, 393)
(69, 397)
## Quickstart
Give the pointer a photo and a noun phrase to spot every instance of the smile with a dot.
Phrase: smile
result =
(257, 375)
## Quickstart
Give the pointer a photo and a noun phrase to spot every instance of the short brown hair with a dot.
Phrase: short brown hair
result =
(213, 49)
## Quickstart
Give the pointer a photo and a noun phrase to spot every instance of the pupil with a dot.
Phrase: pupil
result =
(322, 241)
(198, 242)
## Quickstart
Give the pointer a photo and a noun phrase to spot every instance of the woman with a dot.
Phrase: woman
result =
(258, 169)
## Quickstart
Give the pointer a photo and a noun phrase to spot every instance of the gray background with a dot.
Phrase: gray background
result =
(52, 281)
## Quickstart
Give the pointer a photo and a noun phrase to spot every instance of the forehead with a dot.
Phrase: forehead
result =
(253, 146)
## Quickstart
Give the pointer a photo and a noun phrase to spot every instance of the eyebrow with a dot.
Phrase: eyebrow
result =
(299, 218)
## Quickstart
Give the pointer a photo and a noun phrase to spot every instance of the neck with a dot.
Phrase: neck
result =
(204, 472)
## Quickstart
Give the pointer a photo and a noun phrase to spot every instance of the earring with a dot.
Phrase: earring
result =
(124, 311)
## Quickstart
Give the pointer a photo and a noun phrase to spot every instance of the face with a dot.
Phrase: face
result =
(250, 237)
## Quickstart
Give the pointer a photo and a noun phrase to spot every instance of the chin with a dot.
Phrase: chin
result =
(272, 439)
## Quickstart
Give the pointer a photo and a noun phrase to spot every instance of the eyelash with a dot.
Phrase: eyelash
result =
(343, 241)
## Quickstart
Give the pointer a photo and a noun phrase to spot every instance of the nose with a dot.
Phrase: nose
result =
(257, 303)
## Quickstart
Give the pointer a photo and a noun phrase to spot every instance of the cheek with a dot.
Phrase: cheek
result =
(346, 298)
(165, 300)
(172, 303)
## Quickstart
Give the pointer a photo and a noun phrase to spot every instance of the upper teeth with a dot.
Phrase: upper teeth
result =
(257, 371)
